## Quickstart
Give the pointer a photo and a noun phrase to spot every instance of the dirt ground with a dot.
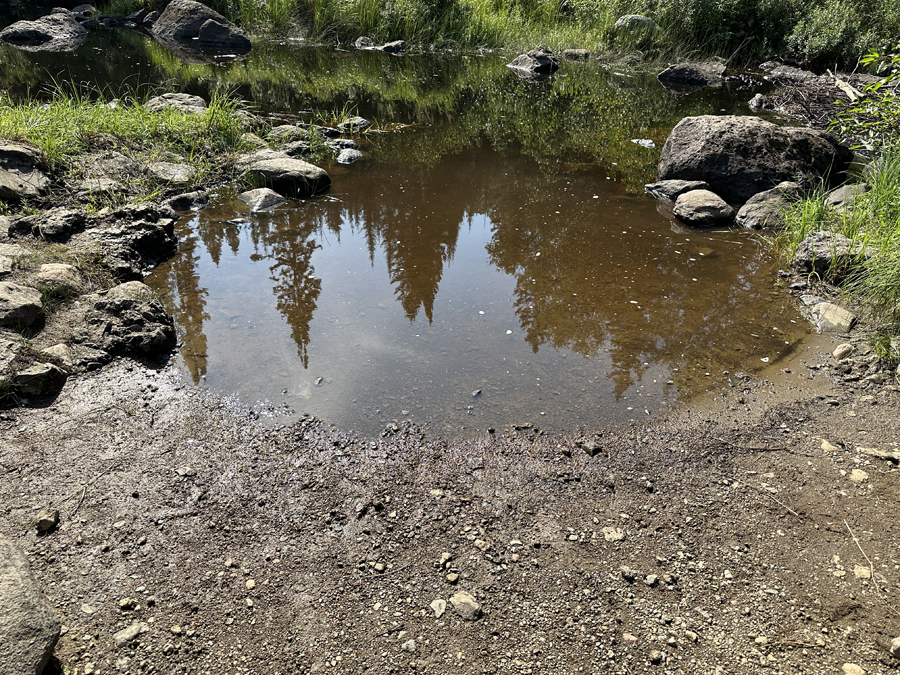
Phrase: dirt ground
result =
(726, 539)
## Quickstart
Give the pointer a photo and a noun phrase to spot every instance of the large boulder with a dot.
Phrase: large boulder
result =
(286, 175)
(19, 305)
(189, 21)
(765, 210)
(55, 32)
(29, 627)
(539, 61)
(19, 176)
(702, 208)
(742, 156)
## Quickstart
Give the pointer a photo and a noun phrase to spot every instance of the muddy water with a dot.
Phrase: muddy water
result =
(492, 261)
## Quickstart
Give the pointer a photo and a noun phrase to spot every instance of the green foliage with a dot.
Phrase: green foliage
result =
(830, 32)
(874, 121)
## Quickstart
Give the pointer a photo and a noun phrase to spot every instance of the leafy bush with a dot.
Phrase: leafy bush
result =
(874, 121)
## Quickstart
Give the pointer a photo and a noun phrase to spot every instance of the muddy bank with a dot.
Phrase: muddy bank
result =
(734, 538)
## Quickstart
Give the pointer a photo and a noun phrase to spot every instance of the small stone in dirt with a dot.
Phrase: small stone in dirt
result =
(895, 647)
(859, 476)
(47, 519)
(829, 318)
(61, 352)
(438, 606)
(591, 448)
(87, 609)
(41, 379)
(613, 533)
(445, 558)
(250, 584)
(482, 545)
(128, 604)
(651, 580)
(476, 392)
(842, 351)
(126, 635)
(852, 669)
(379, 567)
(628, 637)
(862, 572)
(409, 646)
(171, 172)
(452, 578)
(176, 630)
(466, 606)
(628, 574)
(656, 657)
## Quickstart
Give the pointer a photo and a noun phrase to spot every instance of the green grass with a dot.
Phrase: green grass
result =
(873, 224)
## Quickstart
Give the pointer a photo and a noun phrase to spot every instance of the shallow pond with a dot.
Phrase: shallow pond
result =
(492, 260)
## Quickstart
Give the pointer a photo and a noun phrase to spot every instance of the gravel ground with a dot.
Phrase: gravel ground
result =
(750, 533)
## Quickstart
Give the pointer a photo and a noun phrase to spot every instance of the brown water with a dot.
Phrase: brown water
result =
(499, 242)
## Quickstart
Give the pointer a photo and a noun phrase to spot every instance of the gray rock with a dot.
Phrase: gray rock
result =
(130, 634)
(288, 132)
(172, 172)
(644, 143)
(6, 265)
(829, 318)
(189, 201)
(54, 32)
(576, 54)
(364, 42)
(742, 156)
(354, 124)
(895, 647)
(99, 186)
(60, 352)
(297, 149)
(466, 606)
(254, 140)
(46, 519)
(409, 646)
(782, 74)
(760, 102)
(702, 208)
(540, 61)
(61, 278)
(261, 199)
(634, 29)
(348, 156)
(843, 197)
(686, 77)
(9, 350)
(42, 379)
(182, 102)
(29, 627)
(765, 210)
(342, 143)
(58, 224)
(284, 174)
(19, 305)
(133, 239)
(19, 176)
(189, 21)
(438, 606)
(672, 189)
(129, 319)
(395, 47)
(826, 253)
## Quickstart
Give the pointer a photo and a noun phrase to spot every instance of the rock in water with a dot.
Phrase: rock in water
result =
(56, 32)
(687, 77)
(186, 20)
(285, 175)
(261, 199)
(703, 208)
(673, 189)
(742, 156)
(539, 60)
(29, 627)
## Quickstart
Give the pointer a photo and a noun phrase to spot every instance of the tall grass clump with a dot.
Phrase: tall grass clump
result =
(872, 223)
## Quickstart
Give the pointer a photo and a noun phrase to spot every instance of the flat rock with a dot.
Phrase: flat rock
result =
(829, 318)
(29, 627)
(185, 103)
(780, 73)
(130, 634)
(99, 186)
(58, 224)
(284, 133)
(61, 278)
(286, 175)
(54, 32)
(19, 176)
(348, 156)
(466, 606)
(297, 148)
(438, 606)
(261, 199)
(19, 305)
(843, 197)
(742, 156)
(765, 210)
(842, 351)
(42, 379)
(672, 189)
(826, 254)
(686, 77)
(395, 47)
(60, 352)
(192, 22)
(172, 172)
(188, 201)
(702, 208)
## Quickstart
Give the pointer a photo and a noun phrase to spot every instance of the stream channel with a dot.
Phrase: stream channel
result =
(492, 260)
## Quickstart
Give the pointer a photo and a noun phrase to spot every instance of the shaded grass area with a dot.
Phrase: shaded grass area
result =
(873, 225)
(819, 33)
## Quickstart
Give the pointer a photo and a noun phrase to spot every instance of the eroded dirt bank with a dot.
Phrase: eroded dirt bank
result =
(722, 541)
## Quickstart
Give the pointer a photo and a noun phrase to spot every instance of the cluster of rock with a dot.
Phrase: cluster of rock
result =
(710, 163)
(184, 26)
(393, 47)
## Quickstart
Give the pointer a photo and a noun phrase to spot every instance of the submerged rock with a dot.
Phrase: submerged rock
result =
(348, 156)
(703, 208)
(29, 627)
(284, 174)
(742, 156)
